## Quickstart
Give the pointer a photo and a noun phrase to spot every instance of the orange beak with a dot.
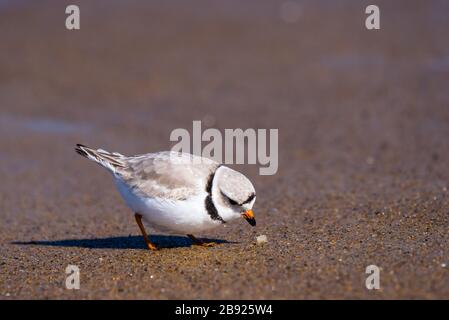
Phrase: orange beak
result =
(249, 216)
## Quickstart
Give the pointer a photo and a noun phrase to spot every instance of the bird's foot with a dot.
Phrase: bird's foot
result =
(151, 246)
(206, 244)
(199, 242)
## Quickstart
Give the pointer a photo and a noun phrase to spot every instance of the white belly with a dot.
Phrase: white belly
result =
(179, 216)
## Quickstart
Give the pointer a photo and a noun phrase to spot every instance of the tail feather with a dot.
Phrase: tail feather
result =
(111, 161)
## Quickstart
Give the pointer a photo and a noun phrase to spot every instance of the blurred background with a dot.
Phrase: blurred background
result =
(363, 123)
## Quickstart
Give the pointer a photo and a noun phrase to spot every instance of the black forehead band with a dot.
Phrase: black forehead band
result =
(250, 198)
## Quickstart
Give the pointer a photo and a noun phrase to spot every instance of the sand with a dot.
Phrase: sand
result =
(363, 123)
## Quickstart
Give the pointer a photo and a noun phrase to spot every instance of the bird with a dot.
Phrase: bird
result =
(177, 192)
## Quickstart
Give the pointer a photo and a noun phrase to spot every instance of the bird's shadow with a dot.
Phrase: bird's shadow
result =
(125, 242)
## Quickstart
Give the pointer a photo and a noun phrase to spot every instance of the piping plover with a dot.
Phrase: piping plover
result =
(177, 192)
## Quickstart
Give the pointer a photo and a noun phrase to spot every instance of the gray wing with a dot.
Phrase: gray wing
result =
(169, 175)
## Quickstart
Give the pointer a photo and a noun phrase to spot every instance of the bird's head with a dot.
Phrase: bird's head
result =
(233, 195)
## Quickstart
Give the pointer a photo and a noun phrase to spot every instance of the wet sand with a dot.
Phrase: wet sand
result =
(363, 123)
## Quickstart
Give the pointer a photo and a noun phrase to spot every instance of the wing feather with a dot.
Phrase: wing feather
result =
(169, 175)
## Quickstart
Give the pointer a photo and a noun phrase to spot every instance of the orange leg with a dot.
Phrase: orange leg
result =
(150, 245)
(199, 242)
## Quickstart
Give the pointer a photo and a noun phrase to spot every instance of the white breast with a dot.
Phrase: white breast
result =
(178, 216)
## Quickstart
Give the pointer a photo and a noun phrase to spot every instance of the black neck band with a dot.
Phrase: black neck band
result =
(210, 206)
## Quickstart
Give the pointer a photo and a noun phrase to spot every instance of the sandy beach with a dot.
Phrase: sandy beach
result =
(363, 119)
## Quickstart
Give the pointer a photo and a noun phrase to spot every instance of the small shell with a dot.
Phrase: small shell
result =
(261, 239)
